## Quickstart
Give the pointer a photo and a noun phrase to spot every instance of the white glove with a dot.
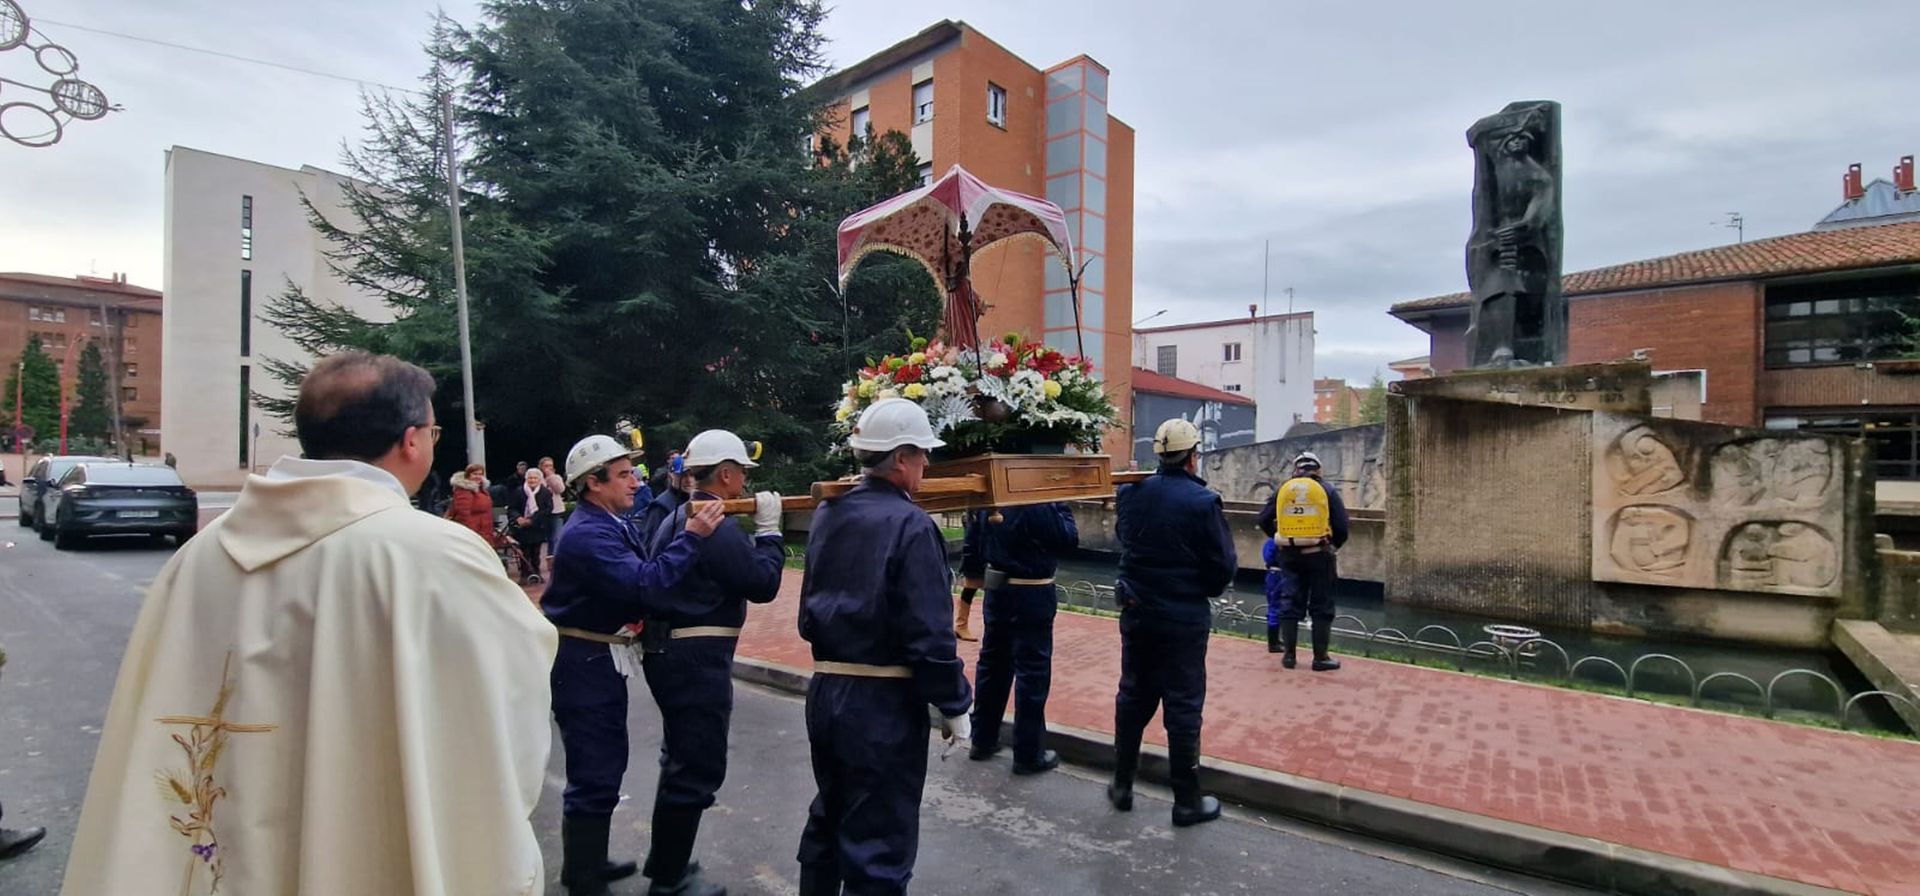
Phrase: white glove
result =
(766, 513)
(955, 730)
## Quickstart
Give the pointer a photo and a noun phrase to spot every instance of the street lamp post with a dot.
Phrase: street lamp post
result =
(65, 363)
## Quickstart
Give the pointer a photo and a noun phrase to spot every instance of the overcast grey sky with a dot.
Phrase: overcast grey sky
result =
(1333, 130)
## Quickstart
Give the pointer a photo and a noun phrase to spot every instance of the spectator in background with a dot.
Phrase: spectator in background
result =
(531, 507)
(558, 488)
(472, 506)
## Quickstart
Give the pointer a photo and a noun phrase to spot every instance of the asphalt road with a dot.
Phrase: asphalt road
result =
(64, 620)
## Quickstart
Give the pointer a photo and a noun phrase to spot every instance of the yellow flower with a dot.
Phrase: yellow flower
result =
(916, 391)
(845, 410)
(917, 358)
(866, 389)
(1051, 388)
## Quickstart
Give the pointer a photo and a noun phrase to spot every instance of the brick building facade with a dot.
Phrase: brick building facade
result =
(1803, 331)
(67, 313)
(963, 99)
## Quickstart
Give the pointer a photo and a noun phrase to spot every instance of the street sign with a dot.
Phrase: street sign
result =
(23, 433)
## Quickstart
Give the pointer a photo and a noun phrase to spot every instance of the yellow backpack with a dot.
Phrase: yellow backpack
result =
(1302, 514)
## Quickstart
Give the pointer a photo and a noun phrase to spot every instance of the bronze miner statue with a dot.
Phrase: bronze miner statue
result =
(1513, 255)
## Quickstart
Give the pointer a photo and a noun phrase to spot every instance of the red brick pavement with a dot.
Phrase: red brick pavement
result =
(1821, 807)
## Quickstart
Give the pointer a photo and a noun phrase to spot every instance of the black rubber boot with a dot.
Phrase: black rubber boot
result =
(819, 880)
(1048, 761)
(1190, 806)
(1289, 640)
(1322, 638)
(670, 862)
(1126, 761)
(14, 842)
(583, 852)
(1273, 639)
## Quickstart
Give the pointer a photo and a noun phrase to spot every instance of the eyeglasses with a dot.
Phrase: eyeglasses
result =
(433, 435)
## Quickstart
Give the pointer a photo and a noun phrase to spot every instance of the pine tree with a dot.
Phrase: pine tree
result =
(90, 416)
(1373, 407)
(41, 394)
(645, 237)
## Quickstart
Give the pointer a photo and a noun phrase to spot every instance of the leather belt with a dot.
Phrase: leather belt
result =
(585, 635)
(860, 670)
(1304, 548)
(705, 631)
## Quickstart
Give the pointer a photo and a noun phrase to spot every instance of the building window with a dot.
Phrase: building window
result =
(997, 104)
(862, 124)
(93, 318)
(52, 342)
(132, 371)
(245, 394)
(1893, 435)
(1166, 360)
(246, 228)
(47, 315)
(1230, 387)
(129, 393)
(1230, 351)
(926, 174)
(923, 101)
(1840, 322)
(246, 313)
(129, 346)
(132, 320)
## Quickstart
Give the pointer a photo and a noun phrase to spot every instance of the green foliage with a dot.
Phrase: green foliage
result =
(40, 397)
(91, 416)
(1373, 407)
(644, 237)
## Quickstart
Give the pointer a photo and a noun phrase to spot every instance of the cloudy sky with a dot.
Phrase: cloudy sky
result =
(1332, 130)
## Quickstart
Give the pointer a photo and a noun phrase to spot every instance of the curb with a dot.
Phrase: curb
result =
(1584, 861)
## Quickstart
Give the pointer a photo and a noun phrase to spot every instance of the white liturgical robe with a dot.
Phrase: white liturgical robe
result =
(327, 692)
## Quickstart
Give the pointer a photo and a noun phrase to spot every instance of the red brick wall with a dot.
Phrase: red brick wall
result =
(1715, 327)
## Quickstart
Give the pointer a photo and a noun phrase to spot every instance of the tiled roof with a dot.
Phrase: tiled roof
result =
(1796, 253)
(1145, 380)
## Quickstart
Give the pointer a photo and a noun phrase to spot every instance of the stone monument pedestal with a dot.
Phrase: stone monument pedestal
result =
(1551, 496)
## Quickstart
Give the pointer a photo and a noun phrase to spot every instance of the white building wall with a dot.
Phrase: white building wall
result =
(204, 415)
(1275, 367)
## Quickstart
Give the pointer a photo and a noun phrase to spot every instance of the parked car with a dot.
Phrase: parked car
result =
(41, 479)
(119, 498)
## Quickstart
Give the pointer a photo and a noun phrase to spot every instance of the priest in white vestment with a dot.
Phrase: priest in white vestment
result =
(327, 692)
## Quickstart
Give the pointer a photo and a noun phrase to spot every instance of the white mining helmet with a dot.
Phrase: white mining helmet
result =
(592, 453)
(716, 446)
(1174, 436)
(890, 423)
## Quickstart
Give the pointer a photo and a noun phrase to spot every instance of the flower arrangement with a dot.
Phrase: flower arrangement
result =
(1011, 395)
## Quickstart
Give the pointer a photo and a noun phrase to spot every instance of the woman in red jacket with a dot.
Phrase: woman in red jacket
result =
(472, 505)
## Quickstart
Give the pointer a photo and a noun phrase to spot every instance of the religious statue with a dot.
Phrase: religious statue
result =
(1513, 255)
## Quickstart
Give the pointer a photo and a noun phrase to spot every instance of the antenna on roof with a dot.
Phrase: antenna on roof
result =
(1737, 223)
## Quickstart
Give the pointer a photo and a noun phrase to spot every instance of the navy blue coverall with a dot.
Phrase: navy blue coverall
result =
(647, 520)
(691, 678)
(877, 592)
(1016, 650)
(1176, 554)
(1313, 571)
(600, 584)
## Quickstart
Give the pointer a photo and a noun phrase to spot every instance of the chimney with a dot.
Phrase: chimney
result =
(1903, 175)
(1850, 185)
(1253, 311)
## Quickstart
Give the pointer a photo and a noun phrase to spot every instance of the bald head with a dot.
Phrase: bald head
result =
(360, 406)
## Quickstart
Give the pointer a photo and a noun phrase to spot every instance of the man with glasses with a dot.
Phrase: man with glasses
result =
(333, 693)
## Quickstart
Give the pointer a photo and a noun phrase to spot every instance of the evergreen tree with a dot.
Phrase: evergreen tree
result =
(41, 394)
(645, 237)
(1373, 407)
(90, 416)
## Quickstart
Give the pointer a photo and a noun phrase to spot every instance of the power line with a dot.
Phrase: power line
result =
(230, 56)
